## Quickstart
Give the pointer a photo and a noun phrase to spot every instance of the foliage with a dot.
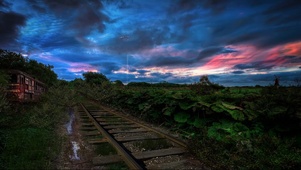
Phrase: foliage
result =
(11, 60)
(160, 84)
(118, 83)
(229, 132)
(3, 85)
(29, 137)
(205, 87)
(65, 95)
(27, 148)
(138, 84)
(95, 78)
(263, 152)
(236, 121)
(147, 145)
(28, 133)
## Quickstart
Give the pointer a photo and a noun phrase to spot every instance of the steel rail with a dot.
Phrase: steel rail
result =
(146, 127)
(129, 160)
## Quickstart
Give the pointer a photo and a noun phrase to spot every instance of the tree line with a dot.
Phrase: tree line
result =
(40, 71)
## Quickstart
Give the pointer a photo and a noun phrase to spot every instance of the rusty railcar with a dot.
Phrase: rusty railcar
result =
(23, 87)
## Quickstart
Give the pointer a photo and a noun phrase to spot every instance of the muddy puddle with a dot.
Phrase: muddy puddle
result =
(69, 128)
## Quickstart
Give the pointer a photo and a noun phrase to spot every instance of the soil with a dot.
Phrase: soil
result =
(85, 153)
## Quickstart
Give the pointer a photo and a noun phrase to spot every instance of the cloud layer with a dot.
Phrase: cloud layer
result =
(235, 43)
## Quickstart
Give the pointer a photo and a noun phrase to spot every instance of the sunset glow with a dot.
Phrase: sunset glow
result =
(175, 41)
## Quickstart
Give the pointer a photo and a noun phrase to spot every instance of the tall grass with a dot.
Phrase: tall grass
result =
(29, 137)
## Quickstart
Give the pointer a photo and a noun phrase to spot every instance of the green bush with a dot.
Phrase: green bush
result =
(234, 128)
(28, 134)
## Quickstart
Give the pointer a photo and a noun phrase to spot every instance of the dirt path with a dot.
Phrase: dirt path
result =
(76, 153)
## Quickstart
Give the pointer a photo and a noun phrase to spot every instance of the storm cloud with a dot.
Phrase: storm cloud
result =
(10, 23)
(81, 16)
(153, 41)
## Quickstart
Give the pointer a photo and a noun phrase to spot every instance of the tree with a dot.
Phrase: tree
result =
(276, 82)
(78, 83)
(205, 87)
(11, 60)
(118, 83)
(204, 80)
(95, 78)
(42, 72)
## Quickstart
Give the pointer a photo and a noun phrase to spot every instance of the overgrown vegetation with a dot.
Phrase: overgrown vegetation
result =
(105, 149)
(29, 132)
(229, 128)
(3, 85)
(12, 60)
(147, 145)
(29, 135)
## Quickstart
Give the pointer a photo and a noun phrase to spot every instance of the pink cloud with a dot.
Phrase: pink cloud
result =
(249, 54)
(82, 67)
(293, 48)
(245, 54)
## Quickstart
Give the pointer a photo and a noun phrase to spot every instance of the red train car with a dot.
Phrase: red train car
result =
(23, 87)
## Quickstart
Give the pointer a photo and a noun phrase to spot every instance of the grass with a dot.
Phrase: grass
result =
(84, 118)
(266, 152)
(94, 137)
(29, 140)
(29, 133)
(117, 166)
(104, 149)
(29, 148)
(112, 119)
(85, 121)
(152, 144)
(88, 125)
(126, 128)
(92, 107)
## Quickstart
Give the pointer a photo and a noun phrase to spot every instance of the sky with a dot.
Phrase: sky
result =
(234, 42)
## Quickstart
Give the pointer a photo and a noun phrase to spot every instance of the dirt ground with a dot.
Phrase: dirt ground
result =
(84, 152)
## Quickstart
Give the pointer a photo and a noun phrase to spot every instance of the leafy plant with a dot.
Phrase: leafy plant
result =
(181, 117)
(229, 125)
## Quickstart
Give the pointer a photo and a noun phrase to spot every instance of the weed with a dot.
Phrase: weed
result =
(118, 166)
(112, 119)
(104, 149)
(94, 137)
(152, 144)
(29, 148)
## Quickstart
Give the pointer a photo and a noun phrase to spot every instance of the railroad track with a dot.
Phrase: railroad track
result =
(135, 144)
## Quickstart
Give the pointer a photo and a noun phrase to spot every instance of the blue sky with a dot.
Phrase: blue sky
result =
(235, 43)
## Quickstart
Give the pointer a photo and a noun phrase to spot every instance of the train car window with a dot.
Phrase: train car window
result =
(22, 80)
(14, 78)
